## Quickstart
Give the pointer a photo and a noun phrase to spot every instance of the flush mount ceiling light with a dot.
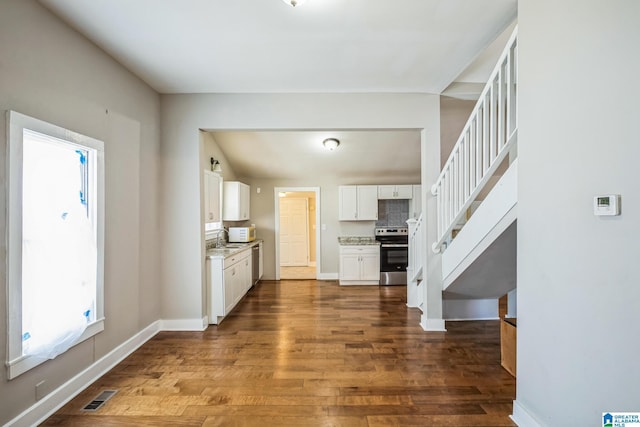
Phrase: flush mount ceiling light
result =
(331, 143)
(294, 3)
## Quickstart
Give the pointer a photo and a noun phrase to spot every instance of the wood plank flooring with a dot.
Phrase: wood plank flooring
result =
(309, 353)
(297, 273)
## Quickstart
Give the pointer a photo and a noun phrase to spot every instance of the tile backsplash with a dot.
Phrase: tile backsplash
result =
(392, 213)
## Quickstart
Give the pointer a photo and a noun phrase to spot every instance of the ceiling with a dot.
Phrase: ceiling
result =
(332, 46)
(300, 154)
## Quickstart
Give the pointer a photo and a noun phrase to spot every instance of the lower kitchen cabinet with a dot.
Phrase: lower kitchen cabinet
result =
(228, 281)
(359, 265)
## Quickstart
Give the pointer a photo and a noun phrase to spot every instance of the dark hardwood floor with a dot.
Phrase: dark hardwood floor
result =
(308, 353)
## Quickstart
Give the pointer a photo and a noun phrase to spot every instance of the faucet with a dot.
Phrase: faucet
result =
(218, 236)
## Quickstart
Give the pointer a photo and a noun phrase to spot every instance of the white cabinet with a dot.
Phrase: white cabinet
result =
(230, 291)
(212, 197)
(228, 281)
(360, 265)
(245, 269)
(395, 192)
(260, 261)
(236, 201)
(416, 202)
(358, 202)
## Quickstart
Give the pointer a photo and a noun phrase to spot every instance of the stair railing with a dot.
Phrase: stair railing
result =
(416, 238)
(415, 265)
(484, 143)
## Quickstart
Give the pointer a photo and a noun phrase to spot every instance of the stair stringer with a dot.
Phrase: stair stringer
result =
(491, 228)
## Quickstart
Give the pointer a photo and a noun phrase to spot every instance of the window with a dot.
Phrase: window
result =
(55, 241)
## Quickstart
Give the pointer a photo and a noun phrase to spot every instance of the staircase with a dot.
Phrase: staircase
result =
(476, 201)
(477, 236)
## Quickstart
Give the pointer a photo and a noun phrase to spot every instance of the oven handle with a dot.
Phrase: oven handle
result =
(394, 245)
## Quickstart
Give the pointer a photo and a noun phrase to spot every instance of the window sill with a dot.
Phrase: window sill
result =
(22, 364)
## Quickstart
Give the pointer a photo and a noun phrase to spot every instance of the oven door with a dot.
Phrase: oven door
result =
(394, 257)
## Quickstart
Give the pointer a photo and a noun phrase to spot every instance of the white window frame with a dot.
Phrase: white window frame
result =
(17, 363)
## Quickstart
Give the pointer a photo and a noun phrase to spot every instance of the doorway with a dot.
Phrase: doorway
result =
(297, 233)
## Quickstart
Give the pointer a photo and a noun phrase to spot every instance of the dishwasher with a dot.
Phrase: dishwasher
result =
(255, 264)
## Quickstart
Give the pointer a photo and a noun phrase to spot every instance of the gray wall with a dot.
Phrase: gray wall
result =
(52, 73)
(454, 114)
(578, 281)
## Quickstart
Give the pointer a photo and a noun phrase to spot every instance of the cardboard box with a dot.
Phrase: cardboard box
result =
(508, 335)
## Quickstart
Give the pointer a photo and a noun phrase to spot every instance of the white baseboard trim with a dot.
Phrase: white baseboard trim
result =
(328, 276)
(48, 405)
(184, 324)
(523, 417)
(471, 318)
(432, 325)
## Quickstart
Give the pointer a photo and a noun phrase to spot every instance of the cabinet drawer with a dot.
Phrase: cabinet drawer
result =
(359, 250)
(236, 258)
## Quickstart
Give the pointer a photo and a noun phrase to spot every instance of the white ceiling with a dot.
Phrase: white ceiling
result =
(267, 46)
(299, 155)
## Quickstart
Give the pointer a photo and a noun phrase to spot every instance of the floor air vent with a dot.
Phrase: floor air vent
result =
(100, 400)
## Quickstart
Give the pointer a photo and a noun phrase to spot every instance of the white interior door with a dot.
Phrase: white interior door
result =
(294, 232)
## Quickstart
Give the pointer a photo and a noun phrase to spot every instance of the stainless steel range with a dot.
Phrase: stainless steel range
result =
(394, 254)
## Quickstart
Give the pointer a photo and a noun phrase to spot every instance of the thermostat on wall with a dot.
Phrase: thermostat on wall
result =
(606, 205)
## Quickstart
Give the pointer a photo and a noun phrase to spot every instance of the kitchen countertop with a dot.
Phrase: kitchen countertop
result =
(230, 249)
(357, 240)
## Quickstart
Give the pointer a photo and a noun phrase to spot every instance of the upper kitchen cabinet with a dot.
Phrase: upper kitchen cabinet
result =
(236, 201)
(358, 202)
(395, 192)
(416, 202)
(212, 197)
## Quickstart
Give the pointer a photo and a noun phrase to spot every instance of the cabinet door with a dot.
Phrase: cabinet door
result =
(370, 264)
(236, 201)
(386, 192)
(239, 285)
(367, 202)
(229, 289)
(261, 262)
(246, 277)
(404, 191)
(245, 201)
(212, 211)
(349, 267)
(231, 205)
(348, 203)
(215, 289)
(395, 192)
(416, 202)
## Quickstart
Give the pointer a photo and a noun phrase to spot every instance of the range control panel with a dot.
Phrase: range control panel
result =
(392, 231)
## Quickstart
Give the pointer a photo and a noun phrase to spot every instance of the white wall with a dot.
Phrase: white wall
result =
(470, 309)
(183, 115)
(50, 72)
(578, 281)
